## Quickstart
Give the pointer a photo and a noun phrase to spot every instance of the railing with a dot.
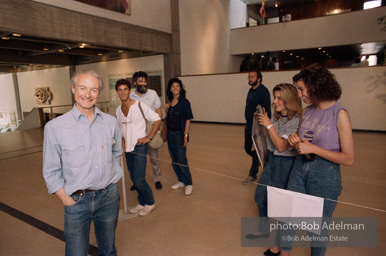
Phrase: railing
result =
(46, 116)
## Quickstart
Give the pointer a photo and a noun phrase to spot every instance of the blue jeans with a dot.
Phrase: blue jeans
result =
(318, 177)
(102, 207)
(248, 148)
(136, 164)
(276, 174)
(178, 155)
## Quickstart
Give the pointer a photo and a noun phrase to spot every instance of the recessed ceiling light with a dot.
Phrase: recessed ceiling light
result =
(5, 38)
(319, 48)
(16, 34)
(61, 50)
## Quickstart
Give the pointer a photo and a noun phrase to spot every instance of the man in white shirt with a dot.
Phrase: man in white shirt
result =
(150, 98)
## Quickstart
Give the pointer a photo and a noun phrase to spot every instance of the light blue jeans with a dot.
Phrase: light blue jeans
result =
(318, 177)
(136, 164)
(276, 174)
(102, 207)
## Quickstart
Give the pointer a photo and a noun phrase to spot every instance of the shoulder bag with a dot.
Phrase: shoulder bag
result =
(156, 141)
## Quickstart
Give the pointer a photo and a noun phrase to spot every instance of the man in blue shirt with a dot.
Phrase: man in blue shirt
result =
(81, 153)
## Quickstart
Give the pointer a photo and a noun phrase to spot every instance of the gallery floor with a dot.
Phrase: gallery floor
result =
(205, 223)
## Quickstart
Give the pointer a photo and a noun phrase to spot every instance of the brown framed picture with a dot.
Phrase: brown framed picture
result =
(122, 6)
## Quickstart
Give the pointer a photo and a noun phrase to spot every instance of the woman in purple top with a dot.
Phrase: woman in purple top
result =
(324, 141)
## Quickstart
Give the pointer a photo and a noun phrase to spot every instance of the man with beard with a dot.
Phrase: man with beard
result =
(150, 98)
(258, 94)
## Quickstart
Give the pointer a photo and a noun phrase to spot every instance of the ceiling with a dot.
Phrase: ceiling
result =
(26, 53)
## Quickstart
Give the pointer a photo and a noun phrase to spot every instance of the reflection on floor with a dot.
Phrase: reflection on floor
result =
(205, 223)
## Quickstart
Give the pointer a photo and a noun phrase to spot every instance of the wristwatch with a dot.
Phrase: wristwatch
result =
(148, 137)
(269, 126)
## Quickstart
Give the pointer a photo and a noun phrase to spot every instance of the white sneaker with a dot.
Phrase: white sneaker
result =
(188, 190)
(136, 209)
(146, 210)
(178, 185)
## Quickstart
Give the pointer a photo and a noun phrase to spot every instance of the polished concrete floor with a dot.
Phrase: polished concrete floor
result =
(205, 223)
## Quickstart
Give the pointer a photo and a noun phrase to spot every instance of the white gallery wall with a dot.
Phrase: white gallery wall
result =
(58, 81)
(7, 95)
(205, 35)
(221, 98)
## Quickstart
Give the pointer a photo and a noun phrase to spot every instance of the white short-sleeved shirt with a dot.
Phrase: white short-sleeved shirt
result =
(150, 98)
(133, 126)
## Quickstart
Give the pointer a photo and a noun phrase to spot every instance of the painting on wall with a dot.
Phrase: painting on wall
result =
(122, 6)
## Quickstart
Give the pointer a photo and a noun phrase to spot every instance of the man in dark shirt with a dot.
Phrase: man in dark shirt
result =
(258, 94)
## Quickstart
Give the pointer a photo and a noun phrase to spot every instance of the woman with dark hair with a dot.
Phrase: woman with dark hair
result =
(324, 141)
(178, 119)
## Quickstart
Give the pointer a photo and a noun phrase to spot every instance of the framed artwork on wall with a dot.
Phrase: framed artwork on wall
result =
(122, 6)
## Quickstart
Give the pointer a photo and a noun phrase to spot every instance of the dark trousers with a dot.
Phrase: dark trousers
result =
(248, 148)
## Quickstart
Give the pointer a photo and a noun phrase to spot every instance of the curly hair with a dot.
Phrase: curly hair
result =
(321, 84)
(139, 74)
(292, 102)
(169, 93)
(122, 81)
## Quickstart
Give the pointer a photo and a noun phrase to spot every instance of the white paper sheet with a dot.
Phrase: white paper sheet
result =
(284, 204)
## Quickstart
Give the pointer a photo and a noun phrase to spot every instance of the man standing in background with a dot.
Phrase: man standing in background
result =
(258, 94)
(150, 98)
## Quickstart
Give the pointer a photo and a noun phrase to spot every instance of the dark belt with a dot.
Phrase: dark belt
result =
(79, 192)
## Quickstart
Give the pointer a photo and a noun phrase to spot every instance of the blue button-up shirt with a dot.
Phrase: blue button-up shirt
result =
(79, 155)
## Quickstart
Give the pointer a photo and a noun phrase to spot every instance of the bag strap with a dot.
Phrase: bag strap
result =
(140, 108)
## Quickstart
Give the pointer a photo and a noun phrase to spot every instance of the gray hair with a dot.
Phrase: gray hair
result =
(74, 78)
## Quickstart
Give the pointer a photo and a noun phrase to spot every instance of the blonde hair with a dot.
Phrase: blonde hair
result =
(289, 95)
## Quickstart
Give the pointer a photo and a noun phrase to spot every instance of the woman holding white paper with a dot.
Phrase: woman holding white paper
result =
(284, 122)
(324, 141)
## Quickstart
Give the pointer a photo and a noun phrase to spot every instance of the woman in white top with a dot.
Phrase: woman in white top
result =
(135, 140)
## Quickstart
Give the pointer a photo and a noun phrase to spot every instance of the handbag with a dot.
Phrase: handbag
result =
(164, 131)
(156, 141)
